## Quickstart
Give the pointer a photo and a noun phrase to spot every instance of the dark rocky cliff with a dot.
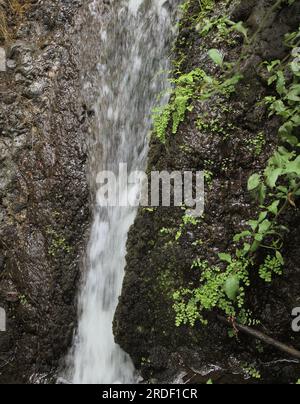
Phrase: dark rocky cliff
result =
(157, 265)
(43, 187)
(44, 201)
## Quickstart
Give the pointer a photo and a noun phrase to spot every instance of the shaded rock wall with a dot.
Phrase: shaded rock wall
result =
(43, 190)
(157, 265)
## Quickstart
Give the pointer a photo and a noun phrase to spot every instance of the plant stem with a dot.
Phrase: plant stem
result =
(263, 337)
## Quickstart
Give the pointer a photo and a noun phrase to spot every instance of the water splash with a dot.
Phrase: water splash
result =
(125, 55)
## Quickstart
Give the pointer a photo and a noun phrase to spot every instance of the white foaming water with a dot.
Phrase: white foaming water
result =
(128, 43)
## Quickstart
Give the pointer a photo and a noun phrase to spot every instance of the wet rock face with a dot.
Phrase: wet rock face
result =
(43, 190)
(157, 265)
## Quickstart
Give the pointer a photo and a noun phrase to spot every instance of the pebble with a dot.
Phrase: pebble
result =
(11, 64)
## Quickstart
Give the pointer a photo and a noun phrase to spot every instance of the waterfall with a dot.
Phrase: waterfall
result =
(125, 52)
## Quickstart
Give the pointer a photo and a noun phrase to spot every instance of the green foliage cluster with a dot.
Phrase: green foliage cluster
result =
(185, 87)
(276, 189)
(184, 7)
(279, 184)
(271, 266)
(166, 231)
(206, 6)
(252, 372)
(208, 176)
(58, 243)
(187, 220)
(257, 144)
(215, 126)
(219, 289)
(196, 84)
(224, 27)
(23, 300)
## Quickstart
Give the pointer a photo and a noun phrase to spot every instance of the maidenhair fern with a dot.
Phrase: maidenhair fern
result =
(185, 88)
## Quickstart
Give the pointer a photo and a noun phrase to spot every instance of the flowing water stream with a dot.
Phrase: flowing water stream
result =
(127, 45)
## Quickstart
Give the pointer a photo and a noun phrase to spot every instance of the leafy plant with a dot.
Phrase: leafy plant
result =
(185, 87)
(223, 25)
(208, 176)
(213, 292)
(165, 231)
(196, 84)
(23, 300)
(272, 265)
(216, 56)
(187, 220)
(257, 144)
(276, 189)
(58, 243)
(232, 287)
(251, 371)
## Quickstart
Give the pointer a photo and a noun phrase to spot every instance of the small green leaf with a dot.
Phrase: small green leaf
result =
(254, 182)
(244, 234)
(225, 257)
(272, 79)
(283, 189)
(262, 216)
(293, 166)
(253, 224)
(280, 86)
(262, 192)
(232, 287)
(294, 67)
(246, 248)
(239, 27)
(259, 237)
(280, 257)
(279, 107)
(264, 226)
(255, 246)
(274, 207)
(293, 97)
(216, 57)
(273, 176)
(178, 235)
